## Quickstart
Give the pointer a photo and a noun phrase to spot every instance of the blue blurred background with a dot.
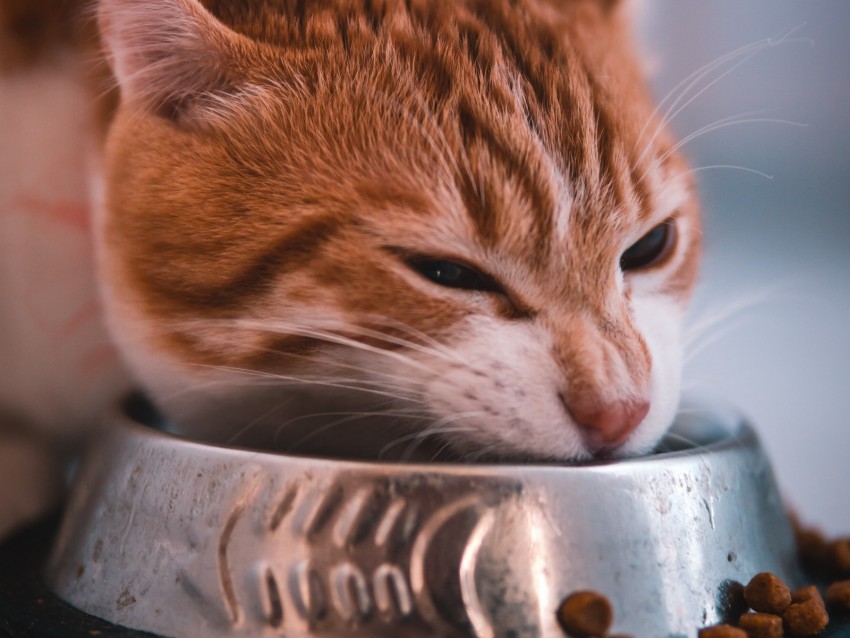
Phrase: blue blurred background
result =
(778, 248)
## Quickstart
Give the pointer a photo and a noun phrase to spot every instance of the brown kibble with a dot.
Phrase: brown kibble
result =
(807, 618)
(839, 556)
(767, 593)
(585, 614)
(806, 593)
(838, 595)
(812, 549)
(758, 625)
(721, 631)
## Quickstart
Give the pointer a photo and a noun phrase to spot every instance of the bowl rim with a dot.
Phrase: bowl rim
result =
(734, 432)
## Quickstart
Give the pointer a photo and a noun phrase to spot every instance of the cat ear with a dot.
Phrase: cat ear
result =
(167, 55)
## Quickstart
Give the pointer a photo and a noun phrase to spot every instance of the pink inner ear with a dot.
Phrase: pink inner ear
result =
(167, 53)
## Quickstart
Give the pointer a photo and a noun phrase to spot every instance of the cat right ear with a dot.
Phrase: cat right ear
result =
(168, 55)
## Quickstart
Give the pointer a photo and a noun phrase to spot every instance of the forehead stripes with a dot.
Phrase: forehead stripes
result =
(542, 148)
(475, 62)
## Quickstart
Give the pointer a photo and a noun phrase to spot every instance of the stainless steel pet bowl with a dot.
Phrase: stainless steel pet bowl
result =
(189, 540)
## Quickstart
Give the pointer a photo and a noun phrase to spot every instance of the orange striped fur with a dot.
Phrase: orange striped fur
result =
(274, 165)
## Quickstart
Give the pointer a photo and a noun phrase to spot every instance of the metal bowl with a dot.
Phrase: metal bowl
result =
(190, 540)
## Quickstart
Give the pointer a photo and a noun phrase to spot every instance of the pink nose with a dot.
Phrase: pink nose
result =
(607, 427)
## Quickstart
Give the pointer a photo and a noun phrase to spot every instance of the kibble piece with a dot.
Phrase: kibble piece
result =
(812, 548)
(585, 614)
(758, 625)
(806, 593)
(807, 618)
(838, 595)
(721, 631)
(839, 556)
(767, 593)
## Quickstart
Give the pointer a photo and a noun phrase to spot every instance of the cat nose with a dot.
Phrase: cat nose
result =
(606, 427)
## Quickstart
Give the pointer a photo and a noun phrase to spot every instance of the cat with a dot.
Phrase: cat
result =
(391, 228)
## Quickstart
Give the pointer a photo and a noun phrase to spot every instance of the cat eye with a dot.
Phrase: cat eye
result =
(650, 249)
(452, 274)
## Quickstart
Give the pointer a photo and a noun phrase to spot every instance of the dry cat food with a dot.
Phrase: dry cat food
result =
(820, 557)
(798, 614)
(806, 616)
(806, 593)
(722, 631)
(777, 611)
(838, 553)
(585, 614)
(812, 548)
(759, 625)
(838, 596)
(767, 593)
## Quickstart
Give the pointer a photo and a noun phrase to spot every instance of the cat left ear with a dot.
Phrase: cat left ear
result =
(169, 54)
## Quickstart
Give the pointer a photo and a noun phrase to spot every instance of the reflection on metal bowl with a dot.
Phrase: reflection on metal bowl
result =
(191, 540)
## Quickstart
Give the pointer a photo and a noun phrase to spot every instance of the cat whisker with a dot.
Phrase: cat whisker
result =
(437, 352)
(377, 383)
(443, 426)
(488, 452)
(350, 385)
(329, 337)
(424, 337)
(430, 369)
(769, 42)
(434, 433)
(394, 410)
(347, 417)
(682, 89)
(254, 422)
(438, 427)
(746, 169)
(386, 378)
(721, 124)
(685, 85)
(694, 447)
(331, 382)
(418, 437)
(701, 328)
(445, 451)
(707, 340)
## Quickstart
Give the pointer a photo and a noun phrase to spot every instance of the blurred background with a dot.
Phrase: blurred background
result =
(777, 271)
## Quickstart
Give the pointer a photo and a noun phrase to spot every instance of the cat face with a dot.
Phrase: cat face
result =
(367, 227)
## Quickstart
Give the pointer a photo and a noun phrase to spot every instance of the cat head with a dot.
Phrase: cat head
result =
(458, 220)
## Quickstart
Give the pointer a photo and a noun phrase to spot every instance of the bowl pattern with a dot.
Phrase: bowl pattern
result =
(190, 540)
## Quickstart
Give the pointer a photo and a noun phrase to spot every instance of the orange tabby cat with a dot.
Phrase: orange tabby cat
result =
(382, 227)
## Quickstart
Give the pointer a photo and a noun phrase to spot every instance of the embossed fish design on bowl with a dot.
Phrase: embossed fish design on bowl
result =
(191, 540)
